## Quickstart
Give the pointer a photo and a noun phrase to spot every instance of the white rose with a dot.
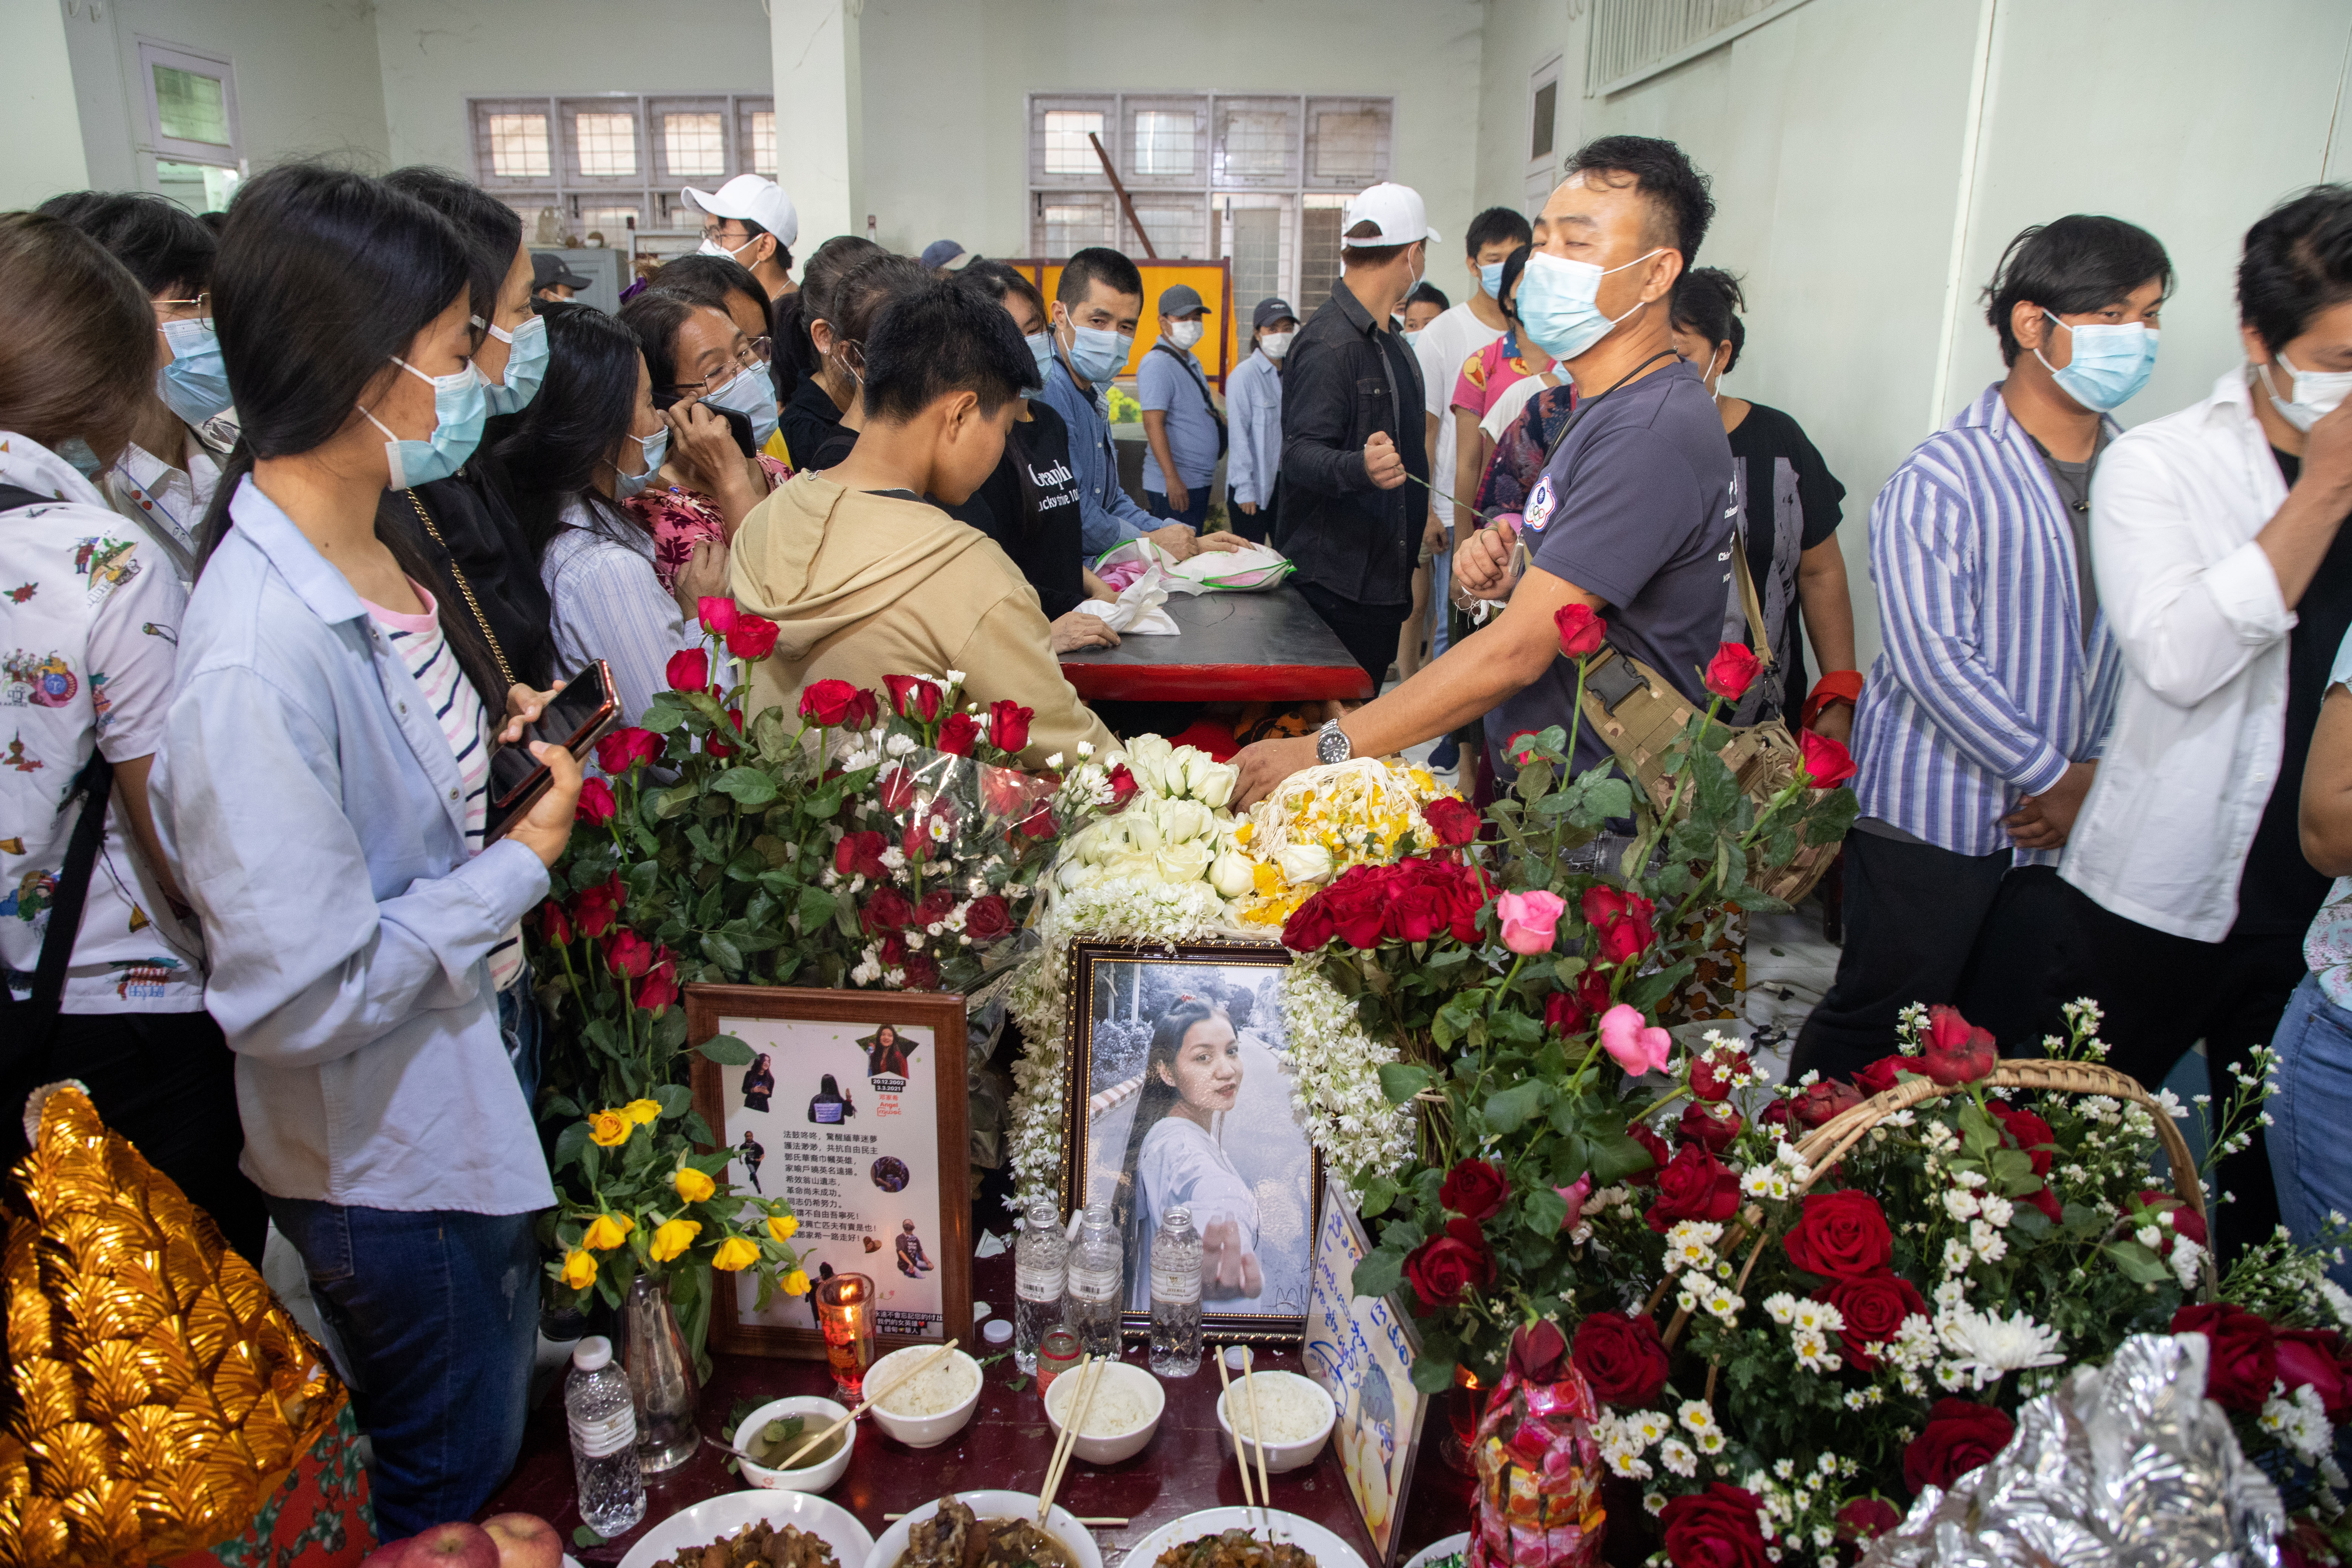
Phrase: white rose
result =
(1184, 862)
(1215, 786)
(1070, 874)
(1181, 821)
(1230, 874)
(1142, 829)
(1130, 863)
(1148, 757)
(1304, 863)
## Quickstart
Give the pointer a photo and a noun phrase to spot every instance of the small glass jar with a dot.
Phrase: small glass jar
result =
(1057, 1353)
(845, 1310)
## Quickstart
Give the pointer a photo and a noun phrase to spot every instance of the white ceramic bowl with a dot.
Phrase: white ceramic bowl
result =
(1061, 1525)
(1280, 1457)
(1069, 1388)
(723, 1516)
(1267, 1523)
(815, 1415)
(923, 1431)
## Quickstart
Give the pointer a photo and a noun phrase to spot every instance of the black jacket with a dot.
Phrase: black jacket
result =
(477, 523)
(1343, 379)
(807, 420)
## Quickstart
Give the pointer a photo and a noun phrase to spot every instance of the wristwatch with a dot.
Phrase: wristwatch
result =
(1331, 743)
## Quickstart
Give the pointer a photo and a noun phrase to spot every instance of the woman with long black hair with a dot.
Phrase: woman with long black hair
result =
(1191, 1076)
(321, 799)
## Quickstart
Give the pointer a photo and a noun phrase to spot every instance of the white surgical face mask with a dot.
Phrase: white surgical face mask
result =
(1184, 334)
(1275, 344)
(712, 246)
(2317, 392)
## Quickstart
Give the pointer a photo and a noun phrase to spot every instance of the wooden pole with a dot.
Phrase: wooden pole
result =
(1128, 206)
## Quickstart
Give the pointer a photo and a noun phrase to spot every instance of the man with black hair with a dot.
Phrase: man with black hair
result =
(866, 576)
(1981, 720)
(552, 281)
(751, 221)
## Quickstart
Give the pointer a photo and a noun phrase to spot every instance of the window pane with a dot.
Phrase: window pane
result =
(1348, 146)
(763, 142)
(1073, 226)
(611, 221)
(695, 144)
(1546, 109)
(1257, 254)
(1163, 143)
(1068, 150)
(607, 144)
(518, 149)
(190, 108)
(199, 187)
(1318, 257)
(1257, 142)
(1175, 230)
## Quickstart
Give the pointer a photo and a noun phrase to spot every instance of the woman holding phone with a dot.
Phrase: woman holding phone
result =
(321, 799)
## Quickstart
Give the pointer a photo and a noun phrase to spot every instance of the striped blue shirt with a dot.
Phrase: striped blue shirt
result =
(1983, 692)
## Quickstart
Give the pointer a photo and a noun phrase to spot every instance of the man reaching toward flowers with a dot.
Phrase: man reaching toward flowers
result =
(1633, 509)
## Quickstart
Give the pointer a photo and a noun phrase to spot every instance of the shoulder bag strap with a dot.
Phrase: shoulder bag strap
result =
(464, 587)
(95, 785)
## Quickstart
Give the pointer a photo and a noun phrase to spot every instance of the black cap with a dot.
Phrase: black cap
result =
(548, 269)
(1271, 310)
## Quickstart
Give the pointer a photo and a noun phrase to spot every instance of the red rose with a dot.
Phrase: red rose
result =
(1008, 725)
(717, 615)
(1719, 1527)
(988, 918)
(596, 805)
(1961, 1435)
(1622, 919)
(860, 855)
(688, 669)
(1865, 1519)
(1879, 1075)
(2242, 1358)
(1826, 763)
(1711, 1127)
(1732, 671)
(865, 711)
(892, 951)
(2317, 1357)
(1841, 1236)
(1621, 1357)
(597, 907)
(1823, 1099)
(1536, 1350)
(1640, 1132)
(1581, 632)
(1956, 1050)
(659, 988)
(958, 733)
(625, 748)
(2304, 1545)
(553, 923)
(750, 636)
(1874, 1307)
(1712, 1073)
(1122, 786)
(913, 697)
(1417, 912)
(1693, 1185)
(937, 905)
(1475, 1190)
(2186, 1221)
(715, 747)
(886, 910)
(627, 955)
(1446, 1268)
(828, 702)
(1453, 821)
(1310, 928)
(1039, 822)
(922, 971)
(894, 789)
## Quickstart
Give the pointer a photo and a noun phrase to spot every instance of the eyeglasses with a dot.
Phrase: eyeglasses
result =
(719, 231)
(199, 309)
(755, 354)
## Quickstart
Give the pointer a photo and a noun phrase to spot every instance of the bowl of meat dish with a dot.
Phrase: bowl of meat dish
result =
(755, 1529)
(1242, 1538)
(985, 1529)
(776, 1431)
(931, 1406)
(1121, 1413)
(1297, 1412)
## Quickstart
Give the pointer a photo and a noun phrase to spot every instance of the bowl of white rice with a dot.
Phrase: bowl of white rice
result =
(1297, 1412)
(931, 1408)
(1120, 1417)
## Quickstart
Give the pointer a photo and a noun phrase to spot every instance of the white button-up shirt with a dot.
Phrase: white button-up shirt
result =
(2195, 605)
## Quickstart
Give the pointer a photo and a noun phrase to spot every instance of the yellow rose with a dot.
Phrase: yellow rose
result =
(783, 1226)
(674, 1237)
(796, 1283)
(643, 1111)
(607, 1231)
(692, 1185)
(735, 1252)
(579, 1270)
(607, 1128)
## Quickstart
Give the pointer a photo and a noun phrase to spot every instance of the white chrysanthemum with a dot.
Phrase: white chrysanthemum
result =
(2301, 1423)
(1950, 1294)
(1696, 1415)
(1679, 1456)
(2148, 1236)
(2185, 1257)
(1649, 1426)
(1996, 1209)
(1721, 1303)
(2339, 1302)
(1818, 1317)
(1988, 1243)
(1709, 1442)
(1988, 1346)
(1959, 1203)
(1780, 1307)
(1756, 1181)
(1813, 1348)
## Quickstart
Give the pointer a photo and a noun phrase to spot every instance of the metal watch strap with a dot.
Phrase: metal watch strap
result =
(1332, 732)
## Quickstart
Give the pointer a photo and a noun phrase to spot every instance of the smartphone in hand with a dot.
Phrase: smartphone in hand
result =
(583, 713)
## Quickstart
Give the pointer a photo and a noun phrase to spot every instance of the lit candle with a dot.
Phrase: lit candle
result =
(845, 1310)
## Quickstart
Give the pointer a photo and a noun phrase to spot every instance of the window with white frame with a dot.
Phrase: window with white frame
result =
(602, 163)
(192, 124)
(1543, 132)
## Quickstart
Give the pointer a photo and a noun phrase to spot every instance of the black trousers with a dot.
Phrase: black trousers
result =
(1368, 631)
(1258, 526)
(167, 1082)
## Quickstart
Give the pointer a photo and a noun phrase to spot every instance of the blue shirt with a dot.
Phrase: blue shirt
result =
(1107, 515)
(311, 808)
(1254, 410)
(1983, 692)
(1165, 387)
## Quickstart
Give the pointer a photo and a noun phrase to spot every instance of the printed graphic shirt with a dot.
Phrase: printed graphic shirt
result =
(89, 626)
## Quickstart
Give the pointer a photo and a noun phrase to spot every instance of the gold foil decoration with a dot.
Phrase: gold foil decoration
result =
(162, 1393)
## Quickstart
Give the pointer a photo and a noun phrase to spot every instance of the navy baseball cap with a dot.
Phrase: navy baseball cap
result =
(1269, 312)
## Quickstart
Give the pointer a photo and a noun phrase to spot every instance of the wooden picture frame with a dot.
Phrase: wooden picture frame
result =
(1361, 1350)
(1271, 1182)
(858, 1180)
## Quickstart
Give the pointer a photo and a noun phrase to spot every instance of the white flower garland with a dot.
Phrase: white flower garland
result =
(1336, 1077)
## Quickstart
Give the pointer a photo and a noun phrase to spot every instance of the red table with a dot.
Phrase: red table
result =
(1187, 1465)
(1235, 647)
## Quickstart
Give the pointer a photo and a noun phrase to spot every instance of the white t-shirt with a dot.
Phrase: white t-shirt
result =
(1443, 345)
(1512, 402)
(1181, 1163)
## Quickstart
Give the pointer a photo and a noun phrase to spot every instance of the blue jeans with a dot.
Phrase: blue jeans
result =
(1196, 507)
(522, 1027)
(438, 1316)
(2310, 1161)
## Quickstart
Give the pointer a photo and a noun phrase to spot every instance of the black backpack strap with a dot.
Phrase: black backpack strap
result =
(14, 496)
(33, 1022)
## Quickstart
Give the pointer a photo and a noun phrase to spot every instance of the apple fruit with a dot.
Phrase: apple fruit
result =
(386, 1555)
(525, 1541)
(453, 1545)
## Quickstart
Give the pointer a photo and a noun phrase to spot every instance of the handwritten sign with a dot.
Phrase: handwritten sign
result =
(1361, 1350)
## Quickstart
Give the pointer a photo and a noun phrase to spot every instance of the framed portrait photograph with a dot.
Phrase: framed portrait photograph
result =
(1179, 1093)
(852, 1109)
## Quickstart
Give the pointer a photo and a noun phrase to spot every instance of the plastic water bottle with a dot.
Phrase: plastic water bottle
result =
(603, 1440)
(1040, 1264)
(1176, 1296)
(1091, 1308)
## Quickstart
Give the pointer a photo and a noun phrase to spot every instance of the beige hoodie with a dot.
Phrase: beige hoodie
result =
(865, 585)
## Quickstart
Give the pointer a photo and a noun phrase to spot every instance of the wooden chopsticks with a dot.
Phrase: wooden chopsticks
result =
(913, 1373)
(1091, 1369)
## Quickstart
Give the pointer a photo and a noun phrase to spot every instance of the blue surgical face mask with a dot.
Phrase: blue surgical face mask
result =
(1098, 355)
(2112, 361)
(195, 384)
(1556, 303)
(752, 393)
(526, 364)
(1042, 345)
(458, 410)
(77, 451)
(1490, 278)
(655, 449)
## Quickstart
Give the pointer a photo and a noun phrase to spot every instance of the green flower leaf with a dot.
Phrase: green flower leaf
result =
(1381, 1271)
(727, 1051)
(749, 788)
(1399, 1081)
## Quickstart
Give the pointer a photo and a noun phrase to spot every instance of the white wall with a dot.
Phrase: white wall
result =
(37, 122)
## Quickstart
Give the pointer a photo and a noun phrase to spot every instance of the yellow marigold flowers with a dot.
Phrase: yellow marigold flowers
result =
(692, 1185)
(607, 1231)
(608, 1128)
(674, 1237)
(579, 1270)
(644, 1112)
(735, 1252)
(783, 1226)
(796, 1283)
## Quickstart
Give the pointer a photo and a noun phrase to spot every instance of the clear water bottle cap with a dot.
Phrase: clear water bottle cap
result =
(593, 1353)
(997, 1332)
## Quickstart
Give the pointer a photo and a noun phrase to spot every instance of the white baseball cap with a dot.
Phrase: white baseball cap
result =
(756, 198)
(1396, 213)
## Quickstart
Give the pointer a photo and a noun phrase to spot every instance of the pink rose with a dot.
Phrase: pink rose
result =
(1530, 921)
(1636, 1048)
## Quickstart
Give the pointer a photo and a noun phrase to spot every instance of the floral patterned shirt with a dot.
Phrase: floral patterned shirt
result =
(680, 518)
(2328, 946)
